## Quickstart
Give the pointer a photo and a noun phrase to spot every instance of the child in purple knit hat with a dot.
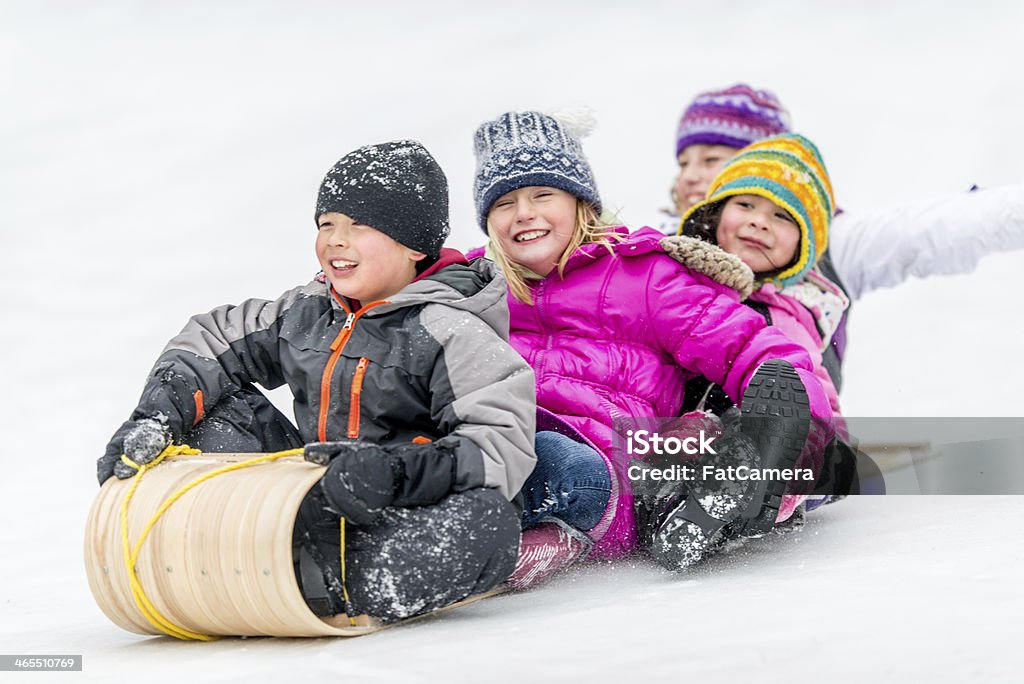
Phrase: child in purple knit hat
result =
(713, 128)
(867, 250)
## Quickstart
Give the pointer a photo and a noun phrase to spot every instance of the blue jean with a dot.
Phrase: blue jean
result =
(570, 482)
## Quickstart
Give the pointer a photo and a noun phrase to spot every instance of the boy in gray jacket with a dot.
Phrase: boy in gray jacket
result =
(398, 347)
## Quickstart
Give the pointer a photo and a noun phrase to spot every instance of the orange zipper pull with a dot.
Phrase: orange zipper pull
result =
(353, 404)
(343, 333)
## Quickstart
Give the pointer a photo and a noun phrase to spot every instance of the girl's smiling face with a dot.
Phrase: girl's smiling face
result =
(761, 233)
(533, 226)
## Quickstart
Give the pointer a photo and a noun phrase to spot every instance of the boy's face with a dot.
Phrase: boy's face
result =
(533, 226)
(698, 166)
(761, 233)
(362, 262)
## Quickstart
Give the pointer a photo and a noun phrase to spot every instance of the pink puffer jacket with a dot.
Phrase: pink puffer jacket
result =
(617, 338)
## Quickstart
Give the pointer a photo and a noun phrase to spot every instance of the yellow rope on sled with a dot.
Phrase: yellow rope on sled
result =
(344, 584)
(141, 600)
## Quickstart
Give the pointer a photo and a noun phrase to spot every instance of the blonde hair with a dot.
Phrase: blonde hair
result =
(589, 229)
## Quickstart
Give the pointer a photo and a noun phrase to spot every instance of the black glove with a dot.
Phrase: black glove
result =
(140, 440)
(363, 479)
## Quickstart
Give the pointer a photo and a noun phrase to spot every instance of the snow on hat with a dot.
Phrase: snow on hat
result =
(520, 149)
(789, 171)
(736, 117)
(395, 187)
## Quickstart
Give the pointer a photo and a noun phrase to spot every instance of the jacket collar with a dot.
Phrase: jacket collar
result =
(448, 258)
(633, 244)
(476, 287)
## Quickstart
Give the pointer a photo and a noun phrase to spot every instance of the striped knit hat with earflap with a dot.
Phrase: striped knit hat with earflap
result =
(789, 171)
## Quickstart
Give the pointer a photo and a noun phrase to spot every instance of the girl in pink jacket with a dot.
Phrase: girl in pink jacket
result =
(614, 328)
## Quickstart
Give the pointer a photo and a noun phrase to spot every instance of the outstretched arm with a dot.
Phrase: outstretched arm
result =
(213, 356)
(876, 249)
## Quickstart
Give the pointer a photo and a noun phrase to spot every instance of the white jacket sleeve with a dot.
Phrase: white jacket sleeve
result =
(947, 236)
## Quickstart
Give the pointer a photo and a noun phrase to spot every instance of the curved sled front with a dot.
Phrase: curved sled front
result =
(219, 560)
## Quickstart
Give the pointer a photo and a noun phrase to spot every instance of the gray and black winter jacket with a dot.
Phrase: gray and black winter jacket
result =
(432, 363)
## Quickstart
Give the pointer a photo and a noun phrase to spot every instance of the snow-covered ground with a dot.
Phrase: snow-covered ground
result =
(159, 159)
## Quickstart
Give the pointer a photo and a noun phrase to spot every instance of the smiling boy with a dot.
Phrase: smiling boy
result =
(383, 348)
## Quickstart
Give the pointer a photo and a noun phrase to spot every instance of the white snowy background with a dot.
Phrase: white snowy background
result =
(158, 159)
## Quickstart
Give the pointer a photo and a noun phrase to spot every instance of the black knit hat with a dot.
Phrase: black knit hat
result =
(395, 187)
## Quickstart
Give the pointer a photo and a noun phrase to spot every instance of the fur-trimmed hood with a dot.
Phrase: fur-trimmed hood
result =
(713, 261)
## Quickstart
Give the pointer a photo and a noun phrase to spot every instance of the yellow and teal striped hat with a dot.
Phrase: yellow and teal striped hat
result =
(788, 170)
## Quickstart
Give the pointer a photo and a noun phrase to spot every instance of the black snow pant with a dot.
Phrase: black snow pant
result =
(413, 561)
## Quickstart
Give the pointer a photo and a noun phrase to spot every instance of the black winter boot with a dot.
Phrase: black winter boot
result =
(696, 525)
(316, 552)
(772, 428)
(777, 417)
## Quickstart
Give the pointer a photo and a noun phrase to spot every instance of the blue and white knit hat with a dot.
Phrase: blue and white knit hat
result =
(520, 149)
